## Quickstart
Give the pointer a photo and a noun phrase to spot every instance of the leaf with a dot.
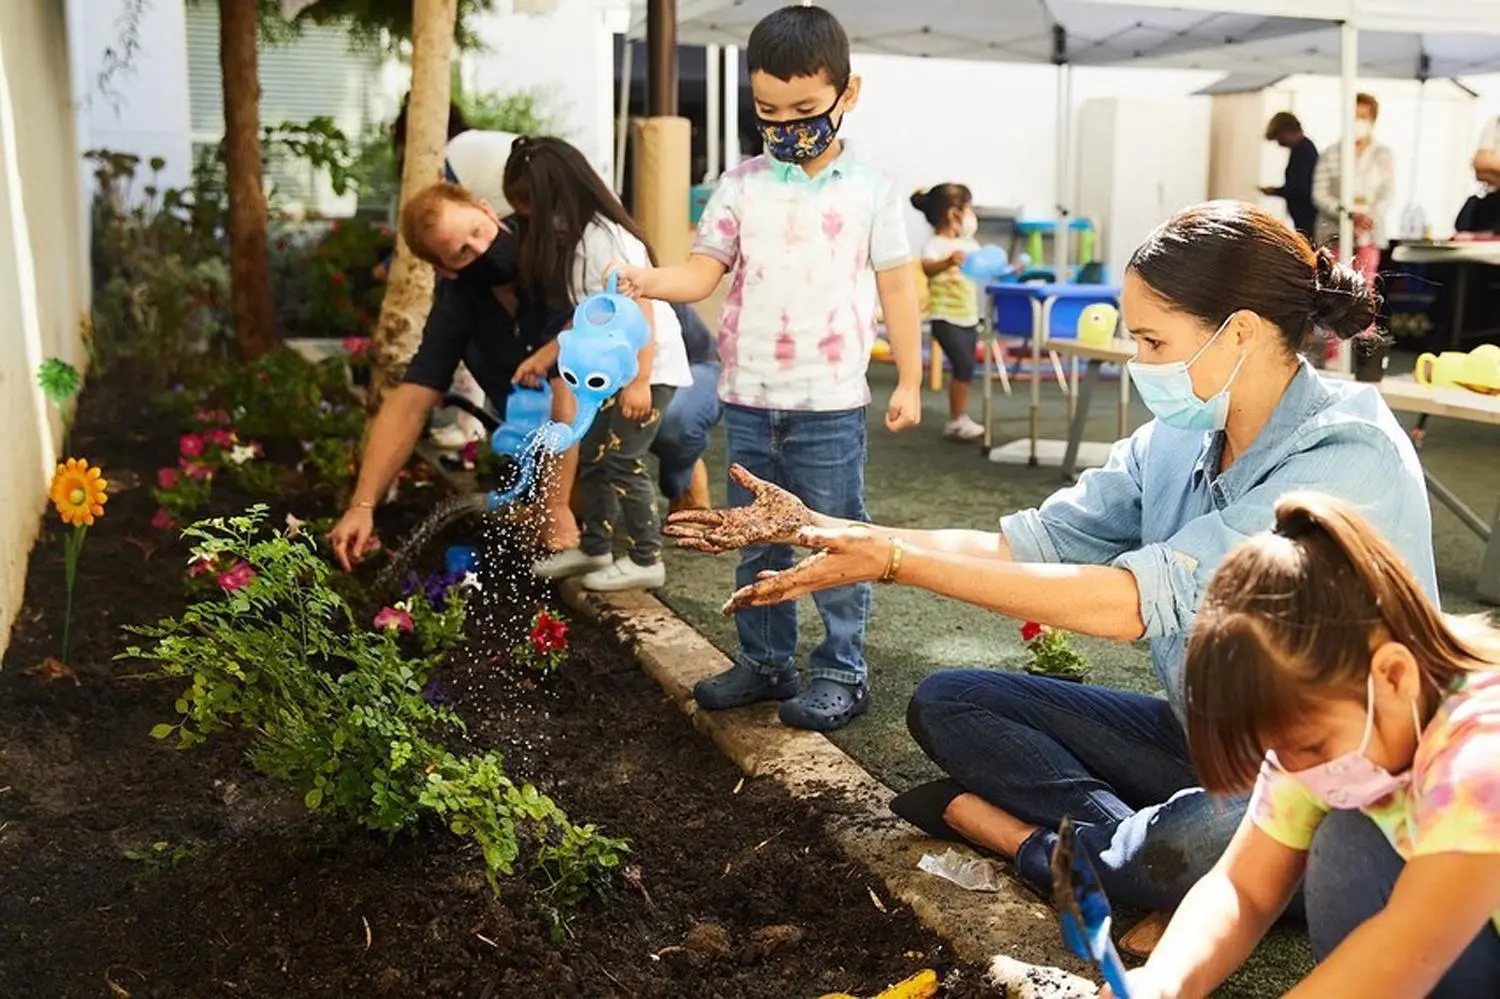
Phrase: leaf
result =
(314, 799)
(161, 731)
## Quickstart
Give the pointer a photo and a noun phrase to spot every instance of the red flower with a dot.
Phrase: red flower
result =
(191, 445)
(549, 634)
(199, 566)
(356, 346)
(337, 279)
(195, 470)
(1031, 631)
(219, 438)
(166, 478)
(162, 520)
(238, 577)
(211, 417)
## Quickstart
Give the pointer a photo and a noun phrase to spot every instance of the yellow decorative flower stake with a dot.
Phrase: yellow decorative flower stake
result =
(79, 494)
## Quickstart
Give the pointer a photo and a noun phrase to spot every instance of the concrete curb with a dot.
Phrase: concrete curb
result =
(1013, 924)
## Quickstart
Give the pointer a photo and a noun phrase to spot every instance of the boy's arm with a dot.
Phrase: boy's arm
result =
(685, 283)
(903, 323)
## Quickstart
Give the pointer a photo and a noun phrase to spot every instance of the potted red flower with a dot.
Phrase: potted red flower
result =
(1052, 654)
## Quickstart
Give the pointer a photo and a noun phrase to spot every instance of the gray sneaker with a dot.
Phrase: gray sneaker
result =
(570, 562)
(741, 685)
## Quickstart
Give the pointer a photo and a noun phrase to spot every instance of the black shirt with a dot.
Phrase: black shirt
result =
(467, 323)
(1297, 188)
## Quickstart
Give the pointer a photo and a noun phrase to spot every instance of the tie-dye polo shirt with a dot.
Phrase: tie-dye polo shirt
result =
(1451, 805)
(802, 253)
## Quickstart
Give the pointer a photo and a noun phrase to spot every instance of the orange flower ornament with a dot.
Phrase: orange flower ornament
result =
(79, 492)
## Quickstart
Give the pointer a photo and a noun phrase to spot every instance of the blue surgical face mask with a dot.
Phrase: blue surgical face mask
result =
(1167, 390)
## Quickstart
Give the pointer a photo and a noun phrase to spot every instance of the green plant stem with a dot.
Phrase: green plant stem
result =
(72, 549)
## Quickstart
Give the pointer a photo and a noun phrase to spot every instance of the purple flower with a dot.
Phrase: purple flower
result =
(434, 693)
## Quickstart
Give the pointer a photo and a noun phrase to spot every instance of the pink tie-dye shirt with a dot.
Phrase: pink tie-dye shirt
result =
(799, 320)
(1452, 804)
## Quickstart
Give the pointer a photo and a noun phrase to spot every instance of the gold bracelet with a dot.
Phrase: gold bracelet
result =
(893, 565)
(363, 505)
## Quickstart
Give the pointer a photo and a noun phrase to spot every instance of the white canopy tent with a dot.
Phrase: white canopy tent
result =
(1411, 39)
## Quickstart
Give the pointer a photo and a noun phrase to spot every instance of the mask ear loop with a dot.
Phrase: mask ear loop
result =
(1364, 743)
(1210, 341)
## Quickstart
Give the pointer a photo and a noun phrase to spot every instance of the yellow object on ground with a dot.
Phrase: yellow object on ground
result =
(922, 985)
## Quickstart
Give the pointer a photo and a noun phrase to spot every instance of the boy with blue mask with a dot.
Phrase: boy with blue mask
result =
(809, 236)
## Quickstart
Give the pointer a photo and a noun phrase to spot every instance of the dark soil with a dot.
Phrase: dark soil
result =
(735, 892)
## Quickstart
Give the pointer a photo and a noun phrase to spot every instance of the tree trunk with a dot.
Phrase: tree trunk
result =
(408, 295)
(249, 254)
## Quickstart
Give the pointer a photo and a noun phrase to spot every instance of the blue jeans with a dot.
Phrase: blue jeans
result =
(1351, 871)
(683, 435)
(820, 458)
(1116, 762)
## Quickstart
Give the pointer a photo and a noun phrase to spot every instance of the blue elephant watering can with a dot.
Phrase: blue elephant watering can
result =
(597, 357)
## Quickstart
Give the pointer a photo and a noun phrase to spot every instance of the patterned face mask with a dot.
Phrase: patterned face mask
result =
(801, 139)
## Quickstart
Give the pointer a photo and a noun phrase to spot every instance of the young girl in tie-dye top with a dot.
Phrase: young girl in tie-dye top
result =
(1368, 725)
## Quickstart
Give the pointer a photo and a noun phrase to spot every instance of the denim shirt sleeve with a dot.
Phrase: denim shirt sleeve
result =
(1357, 464)
(1090, 523)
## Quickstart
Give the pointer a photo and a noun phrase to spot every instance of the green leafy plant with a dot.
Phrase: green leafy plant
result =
(568, 869)
(1051, 653)
(335, 710)
(60, 383)
(522, 112)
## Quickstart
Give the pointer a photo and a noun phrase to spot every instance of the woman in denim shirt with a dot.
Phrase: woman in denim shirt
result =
(1220, 300)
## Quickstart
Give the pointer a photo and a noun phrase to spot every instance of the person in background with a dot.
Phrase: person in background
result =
(1374, 188)
(692, 413)
(954, 309)
(576, 228)
(809, 236)
(1481, 213)
(1301, 163)
(480, 317)
(1368, 726)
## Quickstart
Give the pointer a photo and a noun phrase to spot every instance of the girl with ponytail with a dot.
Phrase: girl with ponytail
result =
(954, 312)
(1368, 725)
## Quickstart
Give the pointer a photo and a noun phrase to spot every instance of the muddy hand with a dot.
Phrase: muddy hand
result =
(774, 516)
(841, 557)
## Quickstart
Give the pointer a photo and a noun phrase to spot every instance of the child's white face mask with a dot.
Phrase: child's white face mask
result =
(969, 226)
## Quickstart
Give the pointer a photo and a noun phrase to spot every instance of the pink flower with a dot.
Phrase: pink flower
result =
(199, 566)
(161, 519)
(196, 470)
(191, 445)
(219, 438)
(211, 417)
(356, 346)
(237, 578)
(391, 619)
(166, 478)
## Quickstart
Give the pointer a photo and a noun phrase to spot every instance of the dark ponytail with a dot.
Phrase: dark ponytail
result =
(1214, 259)
(936, 202)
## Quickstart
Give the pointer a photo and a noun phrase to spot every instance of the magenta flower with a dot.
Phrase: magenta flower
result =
(237, 578)
(196, 470)
(219, 438)
(199, 566)
(391, 619)
(166, 478)
(191, 445)
(162, 520)
(356, 346)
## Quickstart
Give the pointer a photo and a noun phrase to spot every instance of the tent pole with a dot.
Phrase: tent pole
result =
(1063, 196)
(731, 106)
(714, 65)
(1349, 52)
(622, 121)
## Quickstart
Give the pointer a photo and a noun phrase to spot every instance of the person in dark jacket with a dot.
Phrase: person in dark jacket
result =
(1296, 189)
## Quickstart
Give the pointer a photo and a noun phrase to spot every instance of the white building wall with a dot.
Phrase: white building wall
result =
(44, 292)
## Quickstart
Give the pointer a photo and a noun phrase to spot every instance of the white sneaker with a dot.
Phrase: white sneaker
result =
(452, 437)
(963, 429)
(569, 562)
(623, 574)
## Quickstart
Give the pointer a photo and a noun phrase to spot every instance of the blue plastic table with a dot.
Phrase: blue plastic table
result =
(1041, 312)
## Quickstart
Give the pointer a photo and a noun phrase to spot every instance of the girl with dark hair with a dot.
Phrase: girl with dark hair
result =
(1368, 725)
(1219, 299)
(574, 230)
(954, 312)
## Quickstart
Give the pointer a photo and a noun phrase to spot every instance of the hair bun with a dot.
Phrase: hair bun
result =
(919, 198)
(1342, 302)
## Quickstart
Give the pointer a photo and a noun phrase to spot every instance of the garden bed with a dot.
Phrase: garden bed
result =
(134, 868)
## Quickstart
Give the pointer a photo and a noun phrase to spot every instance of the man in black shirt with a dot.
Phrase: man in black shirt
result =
(477, 317)
(1286, 131)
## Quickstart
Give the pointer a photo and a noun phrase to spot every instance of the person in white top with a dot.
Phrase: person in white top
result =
(1481, 213)
(574, 229)
(1374, 187)
(1487, 158)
